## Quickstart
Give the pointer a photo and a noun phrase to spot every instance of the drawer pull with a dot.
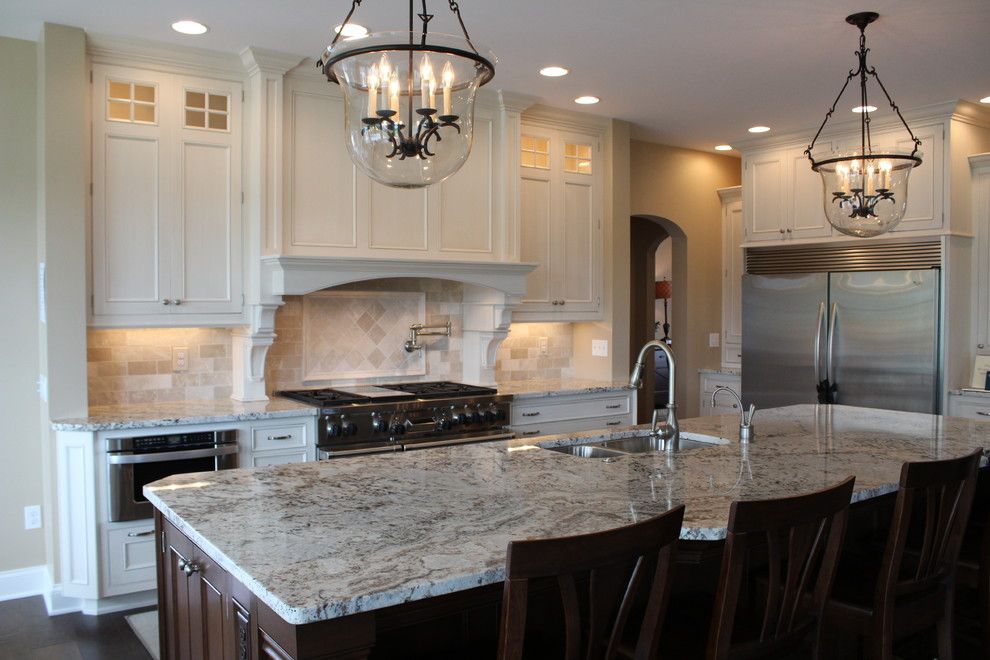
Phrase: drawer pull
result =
(984, 414)
(532, 414)
(147, 532)
(536, 432)
(614, 406)
(280, 437)
(615, 423)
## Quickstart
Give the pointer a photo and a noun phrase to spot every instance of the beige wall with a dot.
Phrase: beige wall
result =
(20, 444)
(679, 185)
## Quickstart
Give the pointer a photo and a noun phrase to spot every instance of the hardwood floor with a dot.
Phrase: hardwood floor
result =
(28, 633)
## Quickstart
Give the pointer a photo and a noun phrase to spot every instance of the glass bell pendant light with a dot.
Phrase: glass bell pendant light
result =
(866, 187)
(408, 98)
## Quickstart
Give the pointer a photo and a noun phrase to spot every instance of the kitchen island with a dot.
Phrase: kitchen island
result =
(314, 558)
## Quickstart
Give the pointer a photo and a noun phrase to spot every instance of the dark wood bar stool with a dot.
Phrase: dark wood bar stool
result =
(911, 588)
(802, 538)
(974, 558)
(619, 563)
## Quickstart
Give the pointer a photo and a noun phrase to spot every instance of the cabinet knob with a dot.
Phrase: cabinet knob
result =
(781, 230)
(979, 346)
(166, 302)
(789, 230)
(190, 568)
(179, 302)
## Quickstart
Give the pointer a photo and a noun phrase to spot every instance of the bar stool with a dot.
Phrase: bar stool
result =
(974, 557)
(909, 592)
(619, 564)
(802, 538)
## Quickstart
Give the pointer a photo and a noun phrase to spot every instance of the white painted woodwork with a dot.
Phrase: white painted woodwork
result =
(278, 458)
(980, 304)
(724, 404)
(572, 412)
(733, 266)
(129, 558)
(466, 199)
(970, 405)
(397, 218)
(806, 194)
(561, 227)
(166, 208)
(764, 177)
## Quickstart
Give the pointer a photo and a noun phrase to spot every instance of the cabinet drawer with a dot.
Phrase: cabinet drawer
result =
(130, 559)
(542, 411)
(278, 437)
(261, 460)
(970, 407)
(710, 381)
(570, 426)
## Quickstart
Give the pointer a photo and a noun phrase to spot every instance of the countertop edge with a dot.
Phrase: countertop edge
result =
(159, 421)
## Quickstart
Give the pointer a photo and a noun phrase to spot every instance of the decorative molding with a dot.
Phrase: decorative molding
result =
(518, 103)
(106, 49)
(249, 351)
(979, 161)
(729, 194)
(23, 582)
(301, 275)
(566, 119)
(271, 62)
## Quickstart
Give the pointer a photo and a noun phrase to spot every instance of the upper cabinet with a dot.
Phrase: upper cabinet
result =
(167, 242)
(783, 199)
(333, 209)
(561, 208)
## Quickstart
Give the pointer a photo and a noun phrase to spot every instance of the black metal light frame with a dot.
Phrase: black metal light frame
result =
(407, 143)
(863, 205)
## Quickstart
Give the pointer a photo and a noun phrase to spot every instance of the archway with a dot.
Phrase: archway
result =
(645, 235)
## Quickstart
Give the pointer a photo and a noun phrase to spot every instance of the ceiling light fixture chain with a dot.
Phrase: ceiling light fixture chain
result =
(347, 19)
(856, 183)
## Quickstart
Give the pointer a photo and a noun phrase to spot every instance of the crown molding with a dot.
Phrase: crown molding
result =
(979, 161)
(128, 51)
(729, 194)
(515, 102)
(268, 61)
(558, 117)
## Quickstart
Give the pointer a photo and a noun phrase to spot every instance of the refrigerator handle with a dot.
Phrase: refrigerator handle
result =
(818, 343)
(833, 387)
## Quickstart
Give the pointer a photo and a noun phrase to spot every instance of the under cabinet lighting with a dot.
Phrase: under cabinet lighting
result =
(587, 100)
(759, 129)
(554, 71)
(189, 27)
(351, 31)
(985, 99)
(860, 109)
(723, 147)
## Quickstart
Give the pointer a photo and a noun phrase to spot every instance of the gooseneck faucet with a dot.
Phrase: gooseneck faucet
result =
(746, 418)
(668, 430)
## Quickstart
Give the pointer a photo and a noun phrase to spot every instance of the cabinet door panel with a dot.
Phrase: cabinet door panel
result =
(398, 217)
(205, 232)
(321, 180)
(535, 200)
(807, 196)
(128, 226)
(733, 263)
(925, 185)
(765, 197)
(466, 221)
(578, 251)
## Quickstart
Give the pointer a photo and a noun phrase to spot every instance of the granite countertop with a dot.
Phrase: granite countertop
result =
(148, 415)
(535, 389)
(365, 532)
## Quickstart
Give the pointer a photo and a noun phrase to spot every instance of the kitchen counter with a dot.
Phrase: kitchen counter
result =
(722, 371)
(537, 389)
(148, 415)
(317, 541)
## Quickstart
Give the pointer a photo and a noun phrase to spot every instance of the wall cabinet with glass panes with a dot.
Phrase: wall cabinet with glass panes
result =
(561, 213)
(166, 199)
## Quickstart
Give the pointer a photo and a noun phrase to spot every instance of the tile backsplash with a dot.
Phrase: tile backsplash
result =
(520, 356)
(135, 365)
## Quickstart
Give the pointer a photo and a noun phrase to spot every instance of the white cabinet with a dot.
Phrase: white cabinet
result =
(970, 405)
(733, 266)
(167, 242)
(724, 404)
(278, 442)
(561, 209)
(783, 196)
(333, 209)
(570, 413)
(980, 165)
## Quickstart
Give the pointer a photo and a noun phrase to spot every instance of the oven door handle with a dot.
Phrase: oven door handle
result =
(165, 456)
(458, 441)
(334, 453)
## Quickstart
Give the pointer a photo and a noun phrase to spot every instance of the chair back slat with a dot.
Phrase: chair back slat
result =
(616, 566)
(802, 538)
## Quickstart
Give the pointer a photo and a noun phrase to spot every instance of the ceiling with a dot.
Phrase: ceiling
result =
(692, 73)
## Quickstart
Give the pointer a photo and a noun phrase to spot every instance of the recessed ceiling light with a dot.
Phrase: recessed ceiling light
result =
(723, 147)
(759, 129)
(985, 99)
(189, 27)
(554, 71)
(860, 109)
(351, 31)
(587, 100)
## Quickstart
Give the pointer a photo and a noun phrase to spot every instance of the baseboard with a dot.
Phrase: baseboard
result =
(23, 582)
(56, 603)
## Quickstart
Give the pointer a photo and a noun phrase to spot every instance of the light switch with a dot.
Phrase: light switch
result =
(712, 340)
(599, 347)
(180, 358)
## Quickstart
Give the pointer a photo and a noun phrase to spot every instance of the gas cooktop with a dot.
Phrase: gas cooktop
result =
(387, 393)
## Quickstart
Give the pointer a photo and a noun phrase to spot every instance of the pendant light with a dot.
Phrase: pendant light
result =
(865, 189)
(408, 98)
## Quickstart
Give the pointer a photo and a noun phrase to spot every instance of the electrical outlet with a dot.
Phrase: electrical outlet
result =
(712, 340)
(599, 347)
(180, 358)
(32, 517)
(544, 346)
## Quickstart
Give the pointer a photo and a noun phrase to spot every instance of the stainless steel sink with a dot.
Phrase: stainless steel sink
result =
(649, 443)
(586, 451)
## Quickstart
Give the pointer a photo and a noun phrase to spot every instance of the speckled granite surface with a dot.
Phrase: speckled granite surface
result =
(725, 371)
(140, 416)
(534, 389)
(322, 540)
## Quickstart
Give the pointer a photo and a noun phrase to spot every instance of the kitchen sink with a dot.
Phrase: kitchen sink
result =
(638, 444)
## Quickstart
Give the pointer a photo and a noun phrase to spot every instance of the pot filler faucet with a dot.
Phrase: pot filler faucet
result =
(667, 430)
(418, 330)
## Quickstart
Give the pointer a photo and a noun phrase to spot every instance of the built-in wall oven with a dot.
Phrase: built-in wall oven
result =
(134, 462)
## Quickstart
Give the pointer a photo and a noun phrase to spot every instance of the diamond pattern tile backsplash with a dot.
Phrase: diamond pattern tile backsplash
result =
(360, 334)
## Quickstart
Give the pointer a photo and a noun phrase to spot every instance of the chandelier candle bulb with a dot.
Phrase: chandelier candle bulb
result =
(373, 92)
(448, 81)
(425, 80)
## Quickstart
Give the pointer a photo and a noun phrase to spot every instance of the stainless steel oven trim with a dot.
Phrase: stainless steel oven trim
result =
(336, 453)
(129, 458)
(458, 441)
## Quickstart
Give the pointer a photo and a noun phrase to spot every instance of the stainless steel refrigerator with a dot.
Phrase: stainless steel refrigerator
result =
(856, 338)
